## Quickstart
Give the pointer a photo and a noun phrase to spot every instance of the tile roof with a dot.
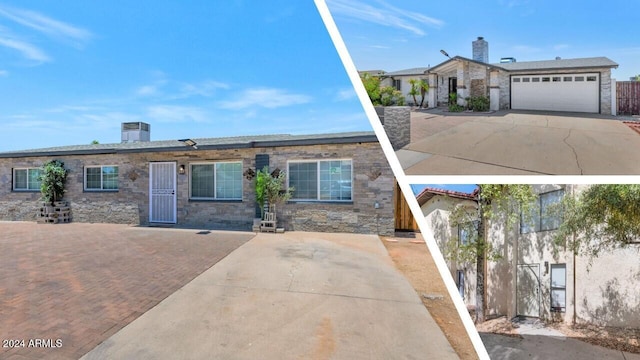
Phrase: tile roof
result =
(428, 193)
(559, 64)
(203, 143)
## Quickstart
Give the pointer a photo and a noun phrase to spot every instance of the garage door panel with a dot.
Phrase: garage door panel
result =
(563, 95)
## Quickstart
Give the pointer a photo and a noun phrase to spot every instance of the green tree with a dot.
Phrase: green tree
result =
(602, 218)
(495, 204)
(415, 89)
(372, 86)
(95, 142)
(423, 85)
(52, 180)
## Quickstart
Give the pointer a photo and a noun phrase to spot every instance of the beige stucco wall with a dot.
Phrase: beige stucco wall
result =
(437, 213)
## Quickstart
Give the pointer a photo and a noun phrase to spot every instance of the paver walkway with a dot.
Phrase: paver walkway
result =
(289, 296)
(519, 143)
(81, 283)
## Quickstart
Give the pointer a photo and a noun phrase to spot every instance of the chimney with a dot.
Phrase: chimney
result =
(481, 50)
(135, 131)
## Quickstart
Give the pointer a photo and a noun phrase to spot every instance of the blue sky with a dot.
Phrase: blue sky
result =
(72, 71)
(401, 34)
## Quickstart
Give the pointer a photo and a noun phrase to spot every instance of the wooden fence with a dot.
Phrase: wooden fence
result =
(404, 219)
(628, 97)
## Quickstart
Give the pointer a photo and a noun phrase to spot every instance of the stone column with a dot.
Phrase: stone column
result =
(397, 125)
(432, 94)
(463, 82)
(494, 90)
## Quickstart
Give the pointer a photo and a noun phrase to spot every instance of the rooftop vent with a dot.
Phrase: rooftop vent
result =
(505, 60)
(558, 58)
(135, 131)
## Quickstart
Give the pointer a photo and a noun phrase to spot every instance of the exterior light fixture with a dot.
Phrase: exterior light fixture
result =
(445, 54)
(181, 170)
(189, 142)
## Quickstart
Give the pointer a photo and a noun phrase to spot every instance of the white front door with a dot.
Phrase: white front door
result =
(162, 192)
(528, 290)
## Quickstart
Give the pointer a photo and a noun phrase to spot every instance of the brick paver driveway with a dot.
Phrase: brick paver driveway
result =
(81, 283)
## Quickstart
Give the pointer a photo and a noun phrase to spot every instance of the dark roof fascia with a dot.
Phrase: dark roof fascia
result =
(561, 68)
(456, 58)
(245, 145)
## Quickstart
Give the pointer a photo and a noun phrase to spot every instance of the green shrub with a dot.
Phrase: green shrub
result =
(479, 103)
(453, 103)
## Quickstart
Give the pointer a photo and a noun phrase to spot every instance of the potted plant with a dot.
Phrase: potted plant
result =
(52, 181)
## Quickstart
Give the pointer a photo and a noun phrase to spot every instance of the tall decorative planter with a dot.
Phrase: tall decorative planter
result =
(396, 121)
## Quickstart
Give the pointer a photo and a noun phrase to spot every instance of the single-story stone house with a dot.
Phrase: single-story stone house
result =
(400, 80)
(342, 181)
(573, 85)
(529, 279)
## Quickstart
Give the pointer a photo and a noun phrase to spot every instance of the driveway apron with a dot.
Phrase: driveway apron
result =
(289, 296)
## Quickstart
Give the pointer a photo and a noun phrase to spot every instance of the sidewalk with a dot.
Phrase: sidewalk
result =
(289, 296)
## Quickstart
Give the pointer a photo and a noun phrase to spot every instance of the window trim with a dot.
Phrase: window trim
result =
(537, 227)
(557, 288)
(13, 179)
(102, 189)
(318, 161)
(215, 181)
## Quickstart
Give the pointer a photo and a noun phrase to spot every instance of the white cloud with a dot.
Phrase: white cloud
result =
(177, 113)
(384, 14)
(266, 97)
(345, 94)
(46, 25)
(147, 90)
(27, 50)
(206, 88)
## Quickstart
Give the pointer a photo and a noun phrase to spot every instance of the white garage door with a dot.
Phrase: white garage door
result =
(556, 92)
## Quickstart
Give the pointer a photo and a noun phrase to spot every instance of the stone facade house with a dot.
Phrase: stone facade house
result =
(573, 85)
(342, 181)
(400, 80)
(529, 279)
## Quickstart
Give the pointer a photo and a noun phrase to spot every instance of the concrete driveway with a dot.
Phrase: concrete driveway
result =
(543, 347)
(519, 143)
(289, 296)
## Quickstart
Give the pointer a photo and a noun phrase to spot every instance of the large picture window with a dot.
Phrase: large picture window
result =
(26, 179)
(323, 180)
(558, 287)
(216, 181)
(545, 214)
(101, 178)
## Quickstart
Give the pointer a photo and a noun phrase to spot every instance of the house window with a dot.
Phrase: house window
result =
(567, 78)
(216, 181)
(558, 287)
(556, 79)
(465, 232)
(579, 78)
(592, 78)
(26, 179)
(535, 79)
(99, 178)
(397, 84)
(545, 214)
(324, 180)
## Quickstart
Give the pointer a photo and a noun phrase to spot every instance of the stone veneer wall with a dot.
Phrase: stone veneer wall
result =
(396, 121)
(372, 181)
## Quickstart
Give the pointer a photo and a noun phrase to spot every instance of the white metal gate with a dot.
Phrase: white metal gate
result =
(162, 192)
(528, 290)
